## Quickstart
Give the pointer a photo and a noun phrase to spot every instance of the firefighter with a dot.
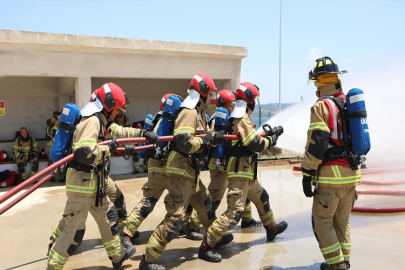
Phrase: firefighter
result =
(152, 189)
(219, 179)
(113, 192)
(26, 150)
(86, 178)
(51, 128)
(242, 175)
(182, 171)
(324, 165)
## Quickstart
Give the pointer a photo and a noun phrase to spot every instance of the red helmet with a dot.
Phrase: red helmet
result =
(94, 95)
(112, 96)
(247, 91)
(225, 97)
(203, 84)
(164, 99)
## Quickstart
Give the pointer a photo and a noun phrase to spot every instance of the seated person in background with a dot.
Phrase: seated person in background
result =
(51, 128)
(25, 150)
(122, 120)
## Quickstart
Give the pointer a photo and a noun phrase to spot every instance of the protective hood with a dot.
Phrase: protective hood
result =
(92, 108)
(191, 100)
(239, 110)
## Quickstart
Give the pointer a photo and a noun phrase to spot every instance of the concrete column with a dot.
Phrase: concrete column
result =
(82, 91)
(62, 101)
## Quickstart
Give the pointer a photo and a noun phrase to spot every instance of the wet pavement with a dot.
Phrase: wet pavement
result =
(377, 239)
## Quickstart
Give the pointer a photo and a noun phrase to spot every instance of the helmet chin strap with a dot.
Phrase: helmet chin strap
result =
(107, 115)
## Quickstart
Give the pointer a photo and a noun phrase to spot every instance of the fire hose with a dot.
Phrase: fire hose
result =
(378, 192)
(50, 169)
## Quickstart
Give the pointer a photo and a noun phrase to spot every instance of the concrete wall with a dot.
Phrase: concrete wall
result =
(30, 101)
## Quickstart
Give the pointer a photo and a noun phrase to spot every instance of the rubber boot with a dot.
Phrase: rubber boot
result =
(272, 233)
(225, 240)
(144, 265)
(193, 234)
(129, 252)
(340, 266)
(126, 241)
(251, 223)
(136, 235)
(207, 253)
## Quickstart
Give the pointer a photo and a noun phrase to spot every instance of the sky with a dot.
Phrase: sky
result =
(362, 36)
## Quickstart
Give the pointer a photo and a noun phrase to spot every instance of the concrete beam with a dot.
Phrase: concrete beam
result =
(22, 40)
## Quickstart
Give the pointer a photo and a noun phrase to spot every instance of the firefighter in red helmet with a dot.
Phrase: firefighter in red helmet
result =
(219, 178)
(85, 181)
(182, 171)
(242, 176)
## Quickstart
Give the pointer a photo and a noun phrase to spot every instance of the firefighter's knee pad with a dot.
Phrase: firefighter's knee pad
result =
(211, 212)
(208, 201)
(264, 198)
(148, 206)
(120, 204)
(238, 216)
(113, 219)
(78, 238)
(35, 165)
(21, 167)
(136, 156)
(189, 208)
(176, 229)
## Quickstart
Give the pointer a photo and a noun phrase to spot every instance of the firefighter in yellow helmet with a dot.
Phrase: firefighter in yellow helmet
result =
(241, 166)
(26, 150)
(51, 128)
(86, 179)
(329, 168)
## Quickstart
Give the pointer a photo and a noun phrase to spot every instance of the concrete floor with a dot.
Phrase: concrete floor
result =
(377, 239)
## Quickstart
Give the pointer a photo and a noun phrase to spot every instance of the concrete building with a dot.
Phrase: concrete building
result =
(40, 72)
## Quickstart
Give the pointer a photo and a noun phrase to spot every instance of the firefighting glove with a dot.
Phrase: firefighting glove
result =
(130, 149)
(307, 182)
(219, 137)
(207, 140)
(33, 155)
(153, 137)
(272, 139)
(113, 145)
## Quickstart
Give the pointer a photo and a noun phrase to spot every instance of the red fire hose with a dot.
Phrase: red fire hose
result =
(377, 192)
(65, 160)
(368, 171)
